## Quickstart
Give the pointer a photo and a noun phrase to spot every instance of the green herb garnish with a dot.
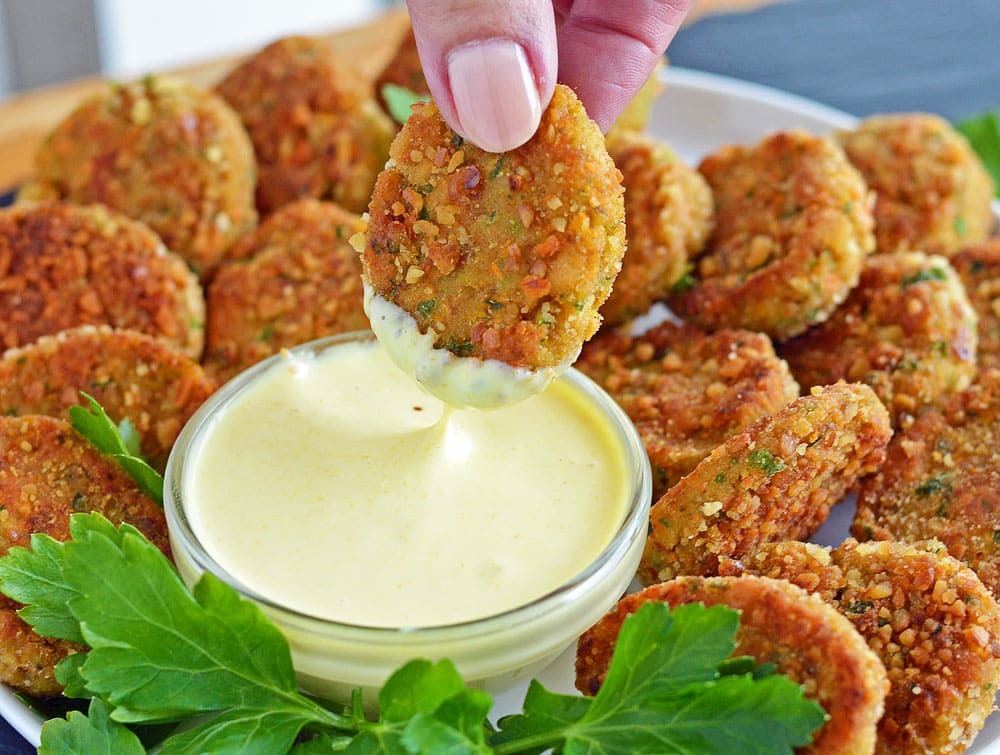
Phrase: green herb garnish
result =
(159, 653)
(120, 442)
(765, 460)
(930, 274)
(399, 99)
(685, 283)
(425, 308)
(983, 133)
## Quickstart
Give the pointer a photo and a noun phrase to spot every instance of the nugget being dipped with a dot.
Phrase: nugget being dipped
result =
(484, 272)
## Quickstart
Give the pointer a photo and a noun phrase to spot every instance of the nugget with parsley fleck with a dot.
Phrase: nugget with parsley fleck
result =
(132, 375)
(777, 480)
(908, 330)
(161, 151)
(295, 278)
(687, 391)
(503, 257)
(806, 639)
(941, 480)
(66, 265)
(932, 192)
(793, 227)
(48, 472)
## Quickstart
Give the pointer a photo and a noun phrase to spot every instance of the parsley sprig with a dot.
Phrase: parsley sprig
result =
(983, 133)
(159, 653)
(399, 99)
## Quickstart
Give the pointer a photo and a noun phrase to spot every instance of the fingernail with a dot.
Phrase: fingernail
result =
(494, 93)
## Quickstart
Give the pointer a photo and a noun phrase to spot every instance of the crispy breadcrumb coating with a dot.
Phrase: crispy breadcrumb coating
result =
(978, 266)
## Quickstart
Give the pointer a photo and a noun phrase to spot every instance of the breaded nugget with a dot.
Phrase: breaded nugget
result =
(668, 216)
(806, 565)
(793, 226)
(63, 265)
(315, 128)
(403, 70)
(48, 472)
(931, 621)
(932, 191)
(688, 391)
(941, 480)
(161, 151)
(293, 279)
(132, 375)
(774, 481)
(907, 330)
(806, 639)
(978, 266)
(502, 257)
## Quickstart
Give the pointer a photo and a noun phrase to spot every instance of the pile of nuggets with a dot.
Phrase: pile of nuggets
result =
(833, 328)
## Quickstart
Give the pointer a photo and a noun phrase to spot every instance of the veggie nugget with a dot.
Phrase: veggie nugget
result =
(979, 268)
(294, 279)
(62, 265)
(160, 151)
(498, 256)
(668, 216)
(315, 128)
(931, 621)
(132, 375)
(688, 391)
(781, 624)
(941, 480)
(793, 227)
(47, 472)
(774, 481)
(932, 191)
(908, 331)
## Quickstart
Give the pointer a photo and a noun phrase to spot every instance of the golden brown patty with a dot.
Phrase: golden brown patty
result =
(908, 331)
(979, 268)
(403, 70)
(793, 227)
(316, 130)
(774, 481)
(931, 621)
(132, 375)
(688, 391)
(62, 265)
(932, 192)
(806, 640)
(941, 480)
(668, 216)
(48, 472)
(161, 151)
(505, 256)
(294, 279)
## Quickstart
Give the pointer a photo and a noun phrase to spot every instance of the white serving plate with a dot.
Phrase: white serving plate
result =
(697, 113)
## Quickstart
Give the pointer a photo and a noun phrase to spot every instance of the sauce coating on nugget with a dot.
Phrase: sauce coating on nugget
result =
(932, 622)
(501, 258)
(806, 640)
(932, 192)
(315, 128)
(63, 265)
(669, 213)
(132, 375)
(793, 226)
(687, 391)
(941, 480)
(979, 268)
(161, 151)
(293, 279)
(907, 330)
(774, 481)
(48, 472)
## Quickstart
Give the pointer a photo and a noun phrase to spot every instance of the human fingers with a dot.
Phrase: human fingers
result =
(490, 65)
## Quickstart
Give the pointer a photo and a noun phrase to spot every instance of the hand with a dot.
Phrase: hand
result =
(491, 65)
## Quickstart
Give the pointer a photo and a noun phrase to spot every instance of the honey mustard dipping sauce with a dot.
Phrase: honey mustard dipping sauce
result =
(333, 485)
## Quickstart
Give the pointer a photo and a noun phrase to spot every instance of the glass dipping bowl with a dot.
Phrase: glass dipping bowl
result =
(331, 659)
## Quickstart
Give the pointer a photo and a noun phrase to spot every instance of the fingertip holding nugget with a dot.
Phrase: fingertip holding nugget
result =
(484, 272)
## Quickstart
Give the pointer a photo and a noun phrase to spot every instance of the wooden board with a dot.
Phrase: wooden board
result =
(26, 119)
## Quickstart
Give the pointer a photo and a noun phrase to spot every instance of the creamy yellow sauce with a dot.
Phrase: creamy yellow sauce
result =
(335, 486)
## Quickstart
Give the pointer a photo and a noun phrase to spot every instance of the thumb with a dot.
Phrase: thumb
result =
(490, 66)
